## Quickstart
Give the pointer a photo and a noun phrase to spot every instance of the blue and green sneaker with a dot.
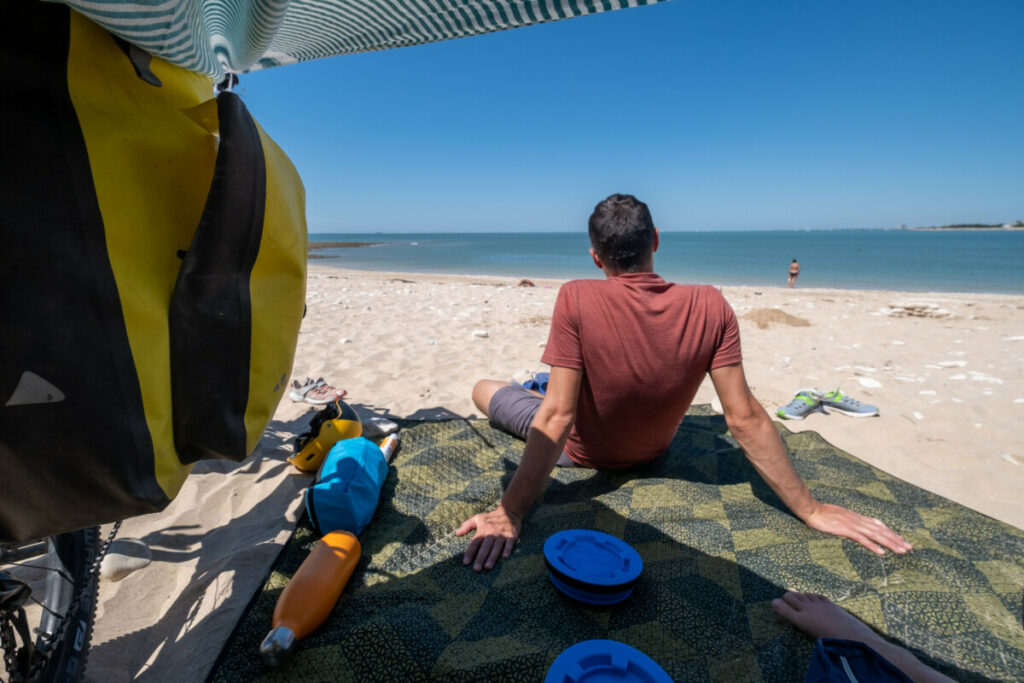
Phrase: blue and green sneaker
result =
(836, 402)
(803, 404)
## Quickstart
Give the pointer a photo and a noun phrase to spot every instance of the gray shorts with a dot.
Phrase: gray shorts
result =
(512, 410)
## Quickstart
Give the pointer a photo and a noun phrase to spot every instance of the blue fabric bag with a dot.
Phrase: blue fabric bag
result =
(538, 382)
(347, 487)
(850, 661)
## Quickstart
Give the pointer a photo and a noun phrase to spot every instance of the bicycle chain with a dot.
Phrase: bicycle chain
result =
(42, 657)
(9, 646)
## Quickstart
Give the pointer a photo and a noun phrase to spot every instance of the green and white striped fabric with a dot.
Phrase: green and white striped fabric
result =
(215, 37)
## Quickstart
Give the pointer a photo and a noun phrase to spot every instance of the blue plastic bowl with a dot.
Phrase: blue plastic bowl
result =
(605, 661)
(592, 566)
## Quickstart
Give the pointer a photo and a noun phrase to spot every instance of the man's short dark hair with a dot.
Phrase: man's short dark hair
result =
(622, 232)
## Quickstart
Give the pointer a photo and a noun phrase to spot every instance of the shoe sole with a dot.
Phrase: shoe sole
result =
(840, 411)
(324, 401)
(793, 417)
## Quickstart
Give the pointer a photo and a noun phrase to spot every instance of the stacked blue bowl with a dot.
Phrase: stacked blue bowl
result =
(591, 566)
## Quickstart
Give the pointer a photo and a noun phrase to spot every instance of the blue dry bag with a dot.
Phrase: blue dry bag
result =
(347, 487)
(538, 383)
(850, 661)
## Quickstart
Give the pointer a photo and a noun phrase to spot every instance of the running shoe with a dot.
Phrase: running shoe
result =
(803, 404)
(323, 393)
(298, 392)
(317, 392)
(836, 402)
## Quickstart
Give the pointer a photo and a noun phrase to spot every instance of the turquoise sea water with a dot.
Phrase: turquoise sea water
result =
(909, 260)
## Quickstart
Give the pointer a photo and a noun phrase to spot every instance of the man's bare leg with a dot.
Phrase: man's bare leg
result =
(483, 392)
(819, 617)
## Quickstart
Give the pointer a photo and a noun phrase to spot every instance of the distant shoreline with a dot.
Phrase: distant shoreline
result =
(314, 246)
(1007, 228)
(340, 245)
(951, 260)
(346, 271)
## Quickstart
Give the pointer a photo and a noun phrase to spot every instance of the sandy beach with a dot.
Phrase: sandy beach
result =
(945, 370)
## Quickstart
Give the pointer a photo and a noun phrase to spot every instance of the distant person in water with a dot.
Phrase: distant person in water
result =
(819, 617)
(627, 354)
(794, 272)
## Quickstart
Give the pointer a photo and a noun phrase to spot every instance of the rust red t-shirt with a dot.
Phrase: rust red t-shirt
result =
(644, 346)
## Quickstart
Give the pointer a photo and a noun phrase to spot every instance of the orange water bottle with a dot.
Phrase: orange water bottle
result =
(310, 594)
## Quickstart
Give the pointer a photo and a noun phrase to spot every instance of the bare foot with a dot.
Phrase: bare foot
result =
(819, 617)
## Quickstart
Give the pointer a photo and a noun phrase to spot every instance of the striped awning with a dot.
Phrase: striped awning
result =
(215, 37)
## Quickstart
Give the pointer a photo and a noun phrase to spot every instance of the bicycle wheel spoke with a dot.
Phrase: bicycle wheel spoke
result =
(11, 554)
(63, 574)
(43, 605)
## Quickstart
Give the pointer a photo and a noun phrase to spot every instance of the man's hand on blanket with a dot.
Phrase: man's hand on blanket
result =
(496, 534)
(871, 533)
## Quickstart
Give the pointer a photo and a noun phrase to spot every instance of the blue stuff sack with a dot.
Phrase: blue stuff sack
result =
(347, 487)
(538, 383)
(850, 661)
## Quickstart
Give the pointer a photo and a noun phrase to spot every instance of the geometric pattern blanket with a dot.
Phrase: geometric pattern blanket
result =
(717, 547)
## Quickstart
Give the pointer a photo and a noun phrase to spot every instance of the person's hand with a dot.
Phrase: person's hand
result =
(496, 534)
(871, 533)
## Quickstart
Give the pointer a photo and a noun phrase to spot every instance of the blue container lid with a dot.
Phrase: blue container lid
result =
(597, 567)
(605, 661)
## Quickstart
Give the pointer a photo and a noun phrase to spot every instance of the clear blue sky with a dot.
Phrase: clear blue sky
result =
(722, 115)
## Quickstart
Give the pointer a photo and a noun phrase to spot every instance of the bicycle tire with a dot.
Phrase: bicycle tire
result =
(75, 554)
(69, 563)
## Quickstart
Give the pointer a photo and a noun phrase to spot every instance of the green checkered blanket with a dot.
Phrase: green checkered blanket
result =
(717, 546)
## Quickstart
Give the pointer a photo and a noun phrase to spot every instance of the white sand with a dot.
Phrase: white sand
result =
(946, 371)
(403, 344)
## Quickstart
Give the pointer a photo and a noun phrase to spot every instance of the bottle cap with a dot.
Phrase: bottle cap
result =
(592, 566)
(594, 661)
(277, 646)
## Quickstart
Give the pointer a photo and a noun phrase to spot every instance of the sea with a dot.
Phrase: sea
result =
(990, 261)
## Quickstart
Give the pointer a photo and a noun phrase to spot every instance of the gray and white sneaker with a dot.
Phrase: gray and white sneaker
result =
(317, 392)
(836, 402)
(299, 391)
(805, 402)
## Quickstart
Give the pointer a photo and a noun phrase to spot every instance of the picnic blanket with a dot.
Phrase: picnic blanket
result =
(717, 546)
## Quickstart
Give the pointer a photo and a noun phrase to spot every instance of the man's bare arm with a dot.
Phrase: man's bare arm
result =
(753, 429)
(497, 531)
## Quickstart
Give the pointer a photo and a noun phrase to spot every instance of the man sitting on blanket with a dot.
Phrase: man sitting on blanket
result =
(627, 355)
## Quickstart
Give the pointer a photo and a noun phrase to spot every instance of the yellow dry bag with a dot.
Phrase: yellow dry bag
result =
(153, 275)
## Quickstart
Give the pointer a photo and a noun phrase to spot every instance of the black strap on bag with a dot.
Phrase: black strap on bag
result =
(210, 316)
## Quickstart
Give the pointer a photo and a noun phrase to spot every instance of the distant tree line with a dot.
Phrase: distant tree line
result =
(962, 226)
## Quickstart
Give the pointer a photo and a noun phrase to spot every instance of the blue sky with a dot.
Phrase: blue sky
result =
(720, 114)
